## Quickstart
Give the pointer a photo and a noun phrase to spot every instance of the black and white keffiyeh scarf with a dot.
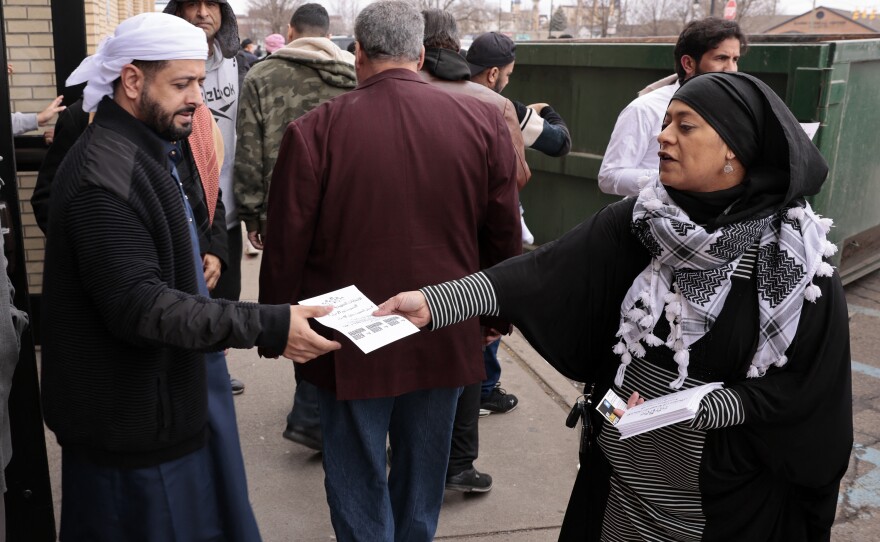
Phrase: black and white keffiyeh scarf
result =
(689, 278)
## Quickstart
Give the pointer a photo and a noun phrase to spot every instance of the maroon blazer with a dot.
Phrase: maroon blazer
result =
(390, 187)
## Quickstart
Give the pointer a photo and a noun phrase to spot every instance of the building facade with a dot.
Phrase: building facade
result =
(824, 20)
(30, 50)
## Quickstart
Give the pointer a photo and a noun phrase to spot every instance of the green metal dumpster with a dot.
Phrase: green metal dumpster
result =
(834, 82)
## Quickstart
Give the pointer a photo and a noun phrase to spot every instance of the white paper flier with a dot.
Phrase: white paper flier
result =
(811, 128)
(352, 316)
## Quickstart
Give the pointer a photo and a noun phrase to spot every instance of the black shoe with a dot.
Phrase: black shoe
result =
(469, 481)
(237, 386)
(499, 401)
(309, 437)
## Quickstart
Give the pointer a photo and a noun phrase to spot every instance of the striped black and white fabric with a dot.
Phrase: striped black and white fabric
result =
(655, 491)
(457, 300)
(656, 498)
(747, 263)
(689, 278)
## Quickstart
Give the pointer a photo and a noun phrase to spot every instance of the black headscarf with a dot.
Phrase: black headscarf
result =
(227, 36)
(781, 163)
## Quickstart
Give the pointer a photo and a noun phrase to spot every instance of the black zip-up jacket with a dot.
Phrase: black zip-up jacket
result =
(123, 376)
(71, 123)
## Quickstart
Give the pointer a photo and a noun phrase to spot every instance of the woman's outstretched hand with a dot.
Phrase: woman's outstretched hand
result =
(410, 305)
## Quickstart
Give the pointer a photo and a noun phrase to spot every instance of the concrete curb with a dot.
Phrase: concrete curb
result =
(562, 390)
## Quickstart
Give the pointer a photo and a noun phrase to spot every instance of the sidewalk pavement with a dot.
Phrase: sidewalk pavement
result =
(530, 453)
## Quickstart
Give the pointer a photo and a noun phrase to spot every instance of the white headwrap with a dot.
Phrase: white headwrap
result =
(148, 36)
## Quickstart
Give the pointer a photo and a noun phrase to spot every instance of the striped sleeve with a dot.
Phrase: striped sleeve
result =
(721, 408)
(457, 300)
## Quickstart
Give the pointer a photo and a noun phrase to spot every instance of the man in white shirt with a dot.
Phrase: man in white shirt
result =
(707, 45)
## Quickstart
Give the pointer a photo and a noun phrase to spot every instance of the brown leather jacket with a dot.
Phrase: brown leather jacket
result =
(523, 173)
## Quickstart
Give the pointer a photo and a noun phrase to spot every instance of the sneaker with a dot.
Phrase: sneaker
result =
(237, 386)
(310, 437)
(484, 412)
(250, 249)
(499, 401)
(469, 481)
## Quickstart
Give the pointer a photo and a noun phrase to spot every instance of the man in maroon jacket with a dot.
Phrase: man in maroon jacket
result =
(393, 185)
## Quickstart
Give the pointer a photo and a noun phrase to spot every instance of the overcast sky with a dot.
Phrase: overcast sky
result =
(785, 6)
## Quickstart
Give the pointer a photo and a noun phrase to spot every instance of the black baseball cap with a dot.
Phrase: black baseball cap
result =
(490, 50)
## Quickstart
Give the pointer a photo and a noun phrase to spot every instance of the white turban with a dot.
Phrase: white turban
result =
(148, 36)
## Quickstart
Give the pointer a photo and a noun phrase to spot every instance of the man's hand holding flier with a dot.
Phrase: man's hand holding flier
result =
(303, 344)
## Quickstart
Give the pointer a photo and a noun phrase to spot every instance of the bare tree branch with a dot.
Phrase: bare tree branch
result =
(275, 14)
(347, 11)
(473, 16)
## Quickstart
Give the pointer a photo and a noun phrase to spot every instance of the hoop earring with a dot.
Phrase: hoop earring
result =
(728, 168)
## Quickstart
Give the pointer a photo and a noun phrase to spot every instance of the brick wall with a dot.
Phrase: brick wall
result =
(31, 88)
(101, 18)
(30, 50)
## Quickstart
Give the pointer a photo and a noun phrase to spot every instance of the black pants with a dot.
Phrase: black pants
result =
(229, 285)
(465, 431)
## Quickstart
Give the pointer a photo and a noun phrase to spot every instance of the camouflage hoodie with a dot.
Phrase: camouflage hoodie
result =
(286, 85)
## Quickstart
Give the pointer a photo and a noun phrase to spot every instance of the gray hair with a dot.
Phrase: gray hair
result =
(390, 30)
(441, 30)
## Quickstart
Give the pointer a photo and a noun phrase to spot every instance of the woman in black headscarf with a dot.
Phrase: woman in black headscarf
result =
(715, 273)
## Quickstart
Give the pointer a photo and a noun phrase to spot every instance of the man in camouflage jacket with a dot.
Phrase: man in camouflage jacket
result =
(289, 83)
(286, 85)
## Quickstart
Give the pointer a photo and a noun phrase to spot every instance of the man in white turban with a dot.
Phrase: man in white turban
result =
(125, 384)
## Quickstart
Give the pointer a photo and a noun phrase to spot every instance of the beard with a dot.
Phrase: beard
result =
(161, 120)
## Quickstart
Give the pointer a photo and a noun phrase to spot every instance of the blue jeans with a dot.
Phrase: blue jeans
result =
(365, 503)
(305, 411)
(493, 368)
